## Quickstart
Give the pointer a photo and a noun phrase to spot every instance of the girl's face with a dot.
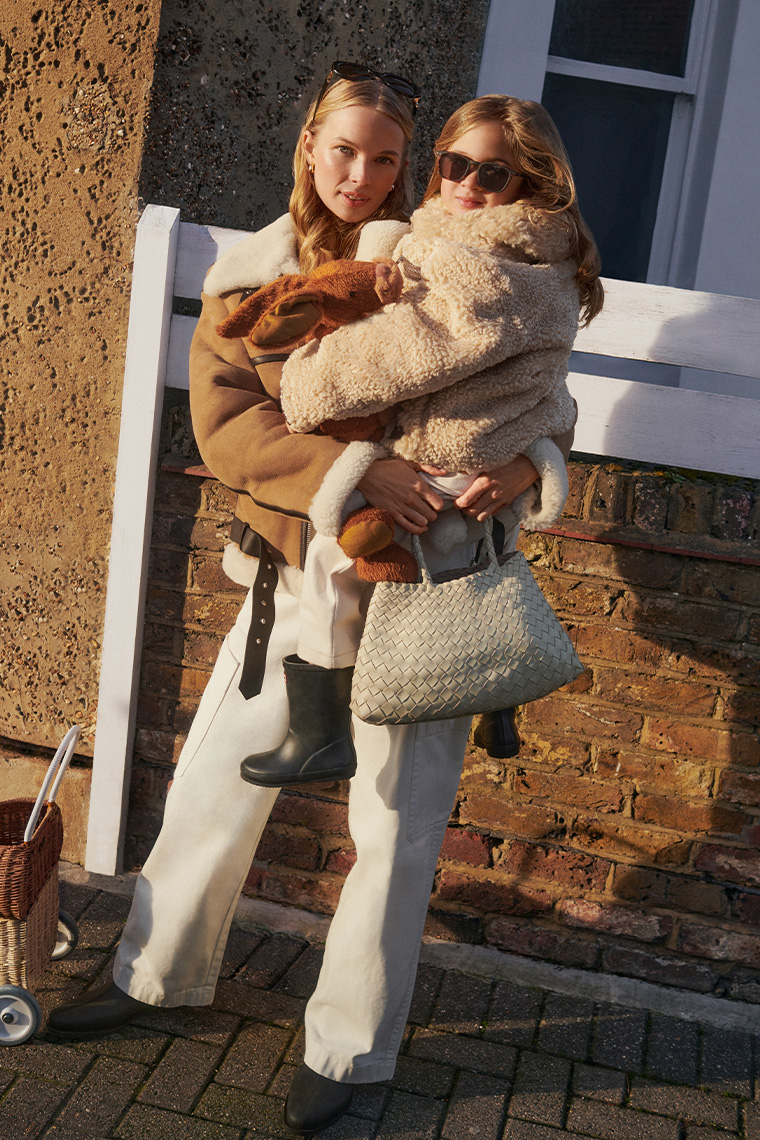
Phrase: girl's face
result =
(356, 156)
(484, 143)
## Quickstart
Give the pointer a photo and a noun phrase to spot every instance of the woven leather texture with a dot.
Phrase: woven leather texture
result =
(484, 641)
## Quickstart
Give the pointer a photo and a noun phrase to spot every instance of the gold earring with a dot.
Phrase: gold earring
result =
(311, 168)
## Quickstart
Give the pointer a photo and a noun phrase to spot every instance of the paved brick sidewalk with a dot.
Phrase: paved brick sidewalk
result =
(482, 1058)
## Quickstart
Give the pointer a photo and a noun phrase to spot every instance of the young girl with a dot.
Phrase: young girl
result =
(497, 267)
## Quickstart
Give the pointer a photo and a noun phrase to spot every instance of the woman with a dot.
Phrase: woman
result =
(351, 168)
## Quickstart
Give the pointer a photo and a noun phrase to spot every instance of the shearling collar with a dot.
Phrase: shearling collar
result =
(536, 233)
(269, 253)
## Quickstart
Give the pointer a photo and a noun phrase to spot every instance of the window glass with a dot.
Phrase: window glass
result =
(649, 35)
(616, 137)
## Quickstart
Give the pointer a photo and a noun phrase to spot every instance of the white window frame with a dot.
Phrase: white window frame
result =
(525, 25)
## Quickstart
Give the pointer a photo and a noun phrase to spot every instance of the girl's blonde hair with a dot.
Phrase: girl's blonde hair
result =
(320, 235)
(542, 160)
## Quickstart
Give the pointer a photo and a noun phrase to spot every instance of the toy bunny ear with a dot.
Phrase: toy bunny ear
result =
(287, 321)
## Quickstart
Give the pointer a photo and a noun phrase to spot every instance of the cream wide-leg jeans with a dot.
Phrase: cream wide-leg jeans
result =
(399, 805)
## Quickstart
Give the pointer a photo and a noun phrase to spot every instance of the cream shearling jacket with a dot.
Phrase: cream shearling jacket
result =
(476, 349)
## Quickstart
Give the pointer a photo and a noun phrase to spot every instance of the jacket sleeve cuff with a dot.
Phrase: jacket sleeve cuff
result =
(543, 503)
(333, 499)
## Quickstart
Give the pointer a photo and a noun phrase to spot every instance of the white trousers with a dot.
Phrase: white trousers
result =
(399, 805)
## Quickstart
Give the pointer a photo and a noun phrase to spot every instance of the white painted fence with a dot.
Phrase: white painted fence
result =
(621, 418)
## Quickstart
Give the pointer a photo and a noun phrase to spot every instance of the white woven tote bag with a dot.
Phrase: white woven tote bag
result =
(461, 642)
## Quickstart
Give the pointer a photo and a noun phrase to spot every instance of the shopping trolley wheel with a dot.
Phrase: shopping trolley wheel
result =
(20, 1015)
(66, 937)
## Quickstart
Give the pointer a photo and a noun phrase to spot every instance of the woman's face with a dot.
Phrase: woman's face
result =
(484, 143)
(357, 156)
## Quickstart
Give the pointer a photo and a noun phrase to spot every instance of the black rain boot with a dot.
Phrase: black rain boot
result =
(318, 745)
(497, 734)
(315, 1102)
(94, 1013)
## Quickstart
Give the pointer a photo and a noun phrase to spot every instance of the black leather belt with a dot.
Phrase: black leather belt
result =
(262, 616)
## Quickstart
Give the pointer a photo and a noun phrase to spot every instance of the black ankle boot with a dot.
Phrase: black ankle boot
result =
(318, 745)
(315, 1102)
(497, 734)
(94, 1013)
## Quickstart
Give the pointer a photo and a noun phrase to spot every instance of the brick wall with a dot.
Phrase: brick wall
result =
(625, 837)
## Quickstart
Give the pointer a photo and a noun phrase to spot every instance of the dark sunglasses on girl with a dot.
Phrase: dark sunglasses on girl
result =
(493, 177)
(354, 72)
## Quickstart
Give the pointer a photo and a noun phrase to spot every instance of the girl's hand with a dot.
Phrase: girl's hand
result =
(395, 486)
(494, 490)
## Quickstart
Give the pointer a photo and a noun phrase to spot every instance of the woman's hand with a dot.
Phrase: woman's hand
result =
(395, 486)
(494, 490)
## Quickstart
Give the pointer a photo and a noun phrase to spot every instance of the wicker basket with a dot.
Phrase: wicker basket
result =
(25, 947)
(25, 867)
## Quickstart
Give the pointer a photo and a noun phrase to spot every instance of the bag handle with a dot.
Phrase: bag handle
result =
(62, 757)
(493, 561)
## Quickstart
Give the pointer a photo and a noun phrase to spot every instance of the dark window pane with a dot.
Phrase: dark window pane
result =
(650, 35)
(616, 137)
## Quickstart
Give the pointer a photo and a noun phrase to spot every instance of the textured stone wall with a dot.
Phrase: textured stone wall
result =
(74, 93)
(233, 81)
(625, 835)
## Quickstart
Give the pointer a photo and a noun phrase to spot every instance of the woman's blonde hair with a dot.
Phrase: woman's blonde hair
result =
(320, 235)
(543, 162)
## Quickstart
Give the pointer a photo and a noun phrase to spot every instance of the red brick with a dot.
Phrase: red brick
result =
(320, 815)
(462, 846)
(732, 663)
(733, 514)
(590, 720)
(173, 680)
(207, 576)
(733, 864)
(556, 750)
(482, 774)
(177, 492)
(579, 791)
(554, 865)
(503, 816)
(649, 888)
(739, 787)
(163, 603)
(743, 706)
(577, 478)
(160, 640)
(158, 745)
(521, 937)
(314, 893)
(720, 944)
(746, 907)
(724, 581)
(210, 610)
(168, 567)
(148, 788)
(676, 616)
(687, 739)
(289, 850)
(180, 714)
(637, 567)
(691, 508)
(627, 686)
(574, 598)
(667, 971)
(650, 504)
(446, 926)
(607, 642)
(218, 499)
(491, 894)
(608, 498)
(709, 816)
(661, 773)
(341, 862)
(614, 837)
(201, 648)
(614, 920)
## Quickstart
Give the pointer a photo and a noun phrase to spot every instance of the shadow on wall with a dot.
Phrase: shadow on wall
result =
(686, 670)
(232, 83)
